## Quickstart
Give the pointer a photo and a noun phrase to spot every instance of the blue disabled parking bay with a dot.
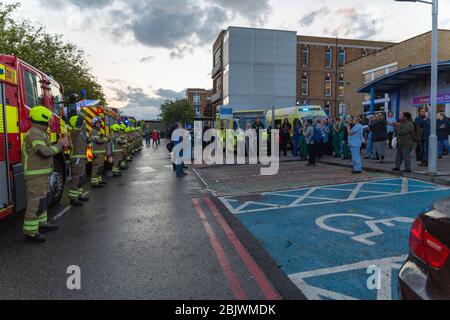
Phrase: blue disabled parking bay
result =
(339, 242)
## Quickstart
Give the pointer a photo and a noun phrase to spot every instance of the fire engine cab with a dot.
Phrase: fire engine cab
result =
(23, 87)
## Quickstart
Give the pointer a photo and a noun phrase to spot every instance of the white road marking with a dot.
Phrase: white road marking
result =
(385, 293)
(146, 169)
(302, 198)
(356, 191)
(227, 200)
(65, 210)
(405, 185)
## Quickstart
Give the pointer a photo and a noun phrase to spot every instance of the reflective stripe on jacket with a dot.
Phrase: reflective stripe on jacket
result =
(38, 152)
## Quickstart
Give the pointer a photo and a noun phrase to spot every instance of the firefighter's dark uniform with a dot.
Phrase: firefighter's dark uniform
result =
(99, 150)
(37, 155)
(123, 138)
(118, 144)
(78, 159)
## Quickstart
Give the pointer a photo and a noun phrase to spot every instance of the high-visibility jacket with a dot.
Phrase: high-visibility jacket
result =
(118, 143)
(78, 144)
(98, 141)
(38, 152)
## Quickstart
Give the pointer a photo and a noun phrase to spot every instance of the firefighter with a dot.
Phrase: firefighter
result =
(98, 141)
(123, 138)
(38, 153)
(129, 144)
(118, 145)
(78, 159)
(140, 139)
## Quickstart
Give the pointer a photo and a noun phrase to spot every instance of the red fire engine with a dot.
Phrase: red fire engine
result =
(23, 87)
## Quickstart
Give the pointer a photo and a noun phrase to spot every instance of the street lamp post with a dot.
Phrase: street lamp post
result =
(432, 147)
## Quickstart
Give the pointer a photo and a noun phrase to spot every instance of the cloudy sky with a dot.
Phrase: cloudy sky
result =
(145, 51)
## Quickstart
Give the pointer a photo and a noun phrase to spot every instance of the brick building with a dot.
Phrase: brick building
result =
(319, 74)
(200, 100)
(320, 68)
(414, 51)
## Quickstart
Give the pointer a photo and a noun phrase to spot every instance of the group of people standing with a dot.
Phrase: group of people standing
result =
(154, 136)
(38, 153)
(349, 136)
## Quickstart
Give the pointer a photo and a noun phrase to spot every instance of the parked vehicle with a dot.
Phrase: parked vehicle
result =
(426, 273)
(23, 87)
(302, 113)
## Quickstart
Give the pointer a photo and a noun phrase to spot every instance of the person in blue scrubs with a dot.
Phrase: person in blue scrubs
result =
(355, 138)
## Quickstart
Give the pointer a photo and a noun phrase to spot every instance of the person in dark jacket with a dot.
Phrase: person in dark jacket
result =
(378, 128)
(443, 131)
(419, 125)
(406, 142)
(285, 136)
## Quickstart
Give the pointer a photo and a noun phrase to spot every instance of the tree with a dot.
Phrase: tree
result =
(64, 61)
(177, 111)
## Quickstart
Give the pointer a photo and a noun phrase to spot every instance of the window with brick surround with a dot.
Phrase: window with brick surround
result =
(341, 85)
(328, 86)
(305, 85)
(342, 58)
(328, 58)
(305, 56)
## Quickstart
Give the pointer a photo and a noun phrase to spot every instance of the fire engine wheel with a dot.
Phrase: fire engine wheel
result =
(56, 185)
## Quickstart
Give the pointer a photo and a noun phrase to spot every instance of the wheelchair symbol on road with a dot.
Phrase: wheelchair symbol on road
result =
(369, 221)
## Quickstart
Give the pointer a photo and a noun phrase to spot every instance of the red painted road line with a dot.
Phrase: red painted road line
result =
(233, 280)
(264, 284)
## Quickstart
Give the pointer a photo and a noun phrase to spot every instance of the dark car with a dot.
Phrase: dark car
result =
(426, 273)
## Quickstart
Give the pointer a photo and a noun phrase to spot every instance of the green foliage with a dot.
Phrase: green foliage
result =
(64, 61)
(177, 111)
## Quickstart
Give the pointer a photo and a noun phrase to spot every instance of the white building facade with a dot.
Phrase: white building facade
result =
(259, 68)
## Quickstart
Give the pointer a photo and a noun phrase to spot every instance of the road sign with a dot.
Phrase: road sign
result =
(226, 113)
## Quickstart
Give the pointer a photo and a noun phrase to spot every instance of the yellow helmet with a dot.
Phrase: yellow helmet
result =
(123, 126)
(115, 127)
(127, 130)
(41, 115)
(75, 120)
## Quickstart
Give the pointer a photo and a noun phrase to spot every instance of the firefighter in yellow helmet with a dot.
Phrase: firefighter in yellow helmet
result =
(129, 144)
(117, 144)
(37, 155)
(78, 159)
(98, 141)
(123, 138)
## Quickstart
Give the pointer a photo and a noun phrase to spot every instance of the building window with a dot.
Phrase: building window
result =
(341, 86)
(328, 108)
(328, 86)
(342, 58)
(364, 52)
(305, 85)
(305, 56)
(218, 57)
(197, 99)
(32, 89)
(198, 111)
(328, 58)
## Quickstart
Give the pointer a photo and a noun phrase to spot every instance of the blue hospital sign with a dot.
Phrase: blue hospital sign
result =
(226, 113)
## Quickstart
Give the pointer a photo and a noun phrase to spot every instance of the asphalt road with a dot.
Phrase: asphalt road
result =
(148, 235)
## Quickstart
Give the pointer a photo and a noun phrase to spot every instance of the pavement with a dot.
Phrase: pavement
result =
(148, 235)
(443, 175)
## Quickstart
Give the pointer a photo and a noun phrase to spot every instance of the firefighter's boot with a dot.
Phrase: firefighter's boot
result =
(48, 227)
(38, 238)
(76, 203)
